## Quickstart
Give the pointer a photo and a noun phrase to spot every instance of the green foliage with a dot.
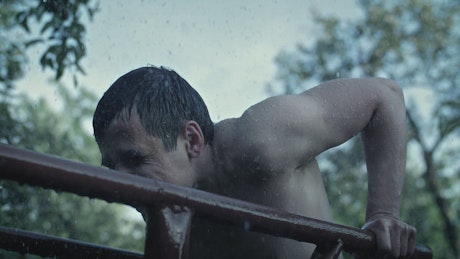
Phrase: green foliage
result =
(69, 216)
(58, 27)
(61, 26)
(12, 55)
(60, 133)
(55, 25)
(63, 133)
(416, 43)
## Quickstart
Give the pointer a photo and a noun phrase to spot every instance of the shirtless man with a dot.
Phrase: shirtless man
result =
(152, 123)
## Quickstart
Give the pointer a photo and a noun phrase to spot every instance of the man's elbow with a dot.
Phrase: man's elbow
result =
(393, 87)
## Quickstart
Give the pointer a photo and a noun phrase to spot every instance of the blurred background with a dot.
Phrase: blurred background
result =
(58, 57)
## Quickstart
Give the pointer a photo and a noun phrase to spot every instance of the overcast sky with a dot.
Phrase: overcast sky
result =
(225, 49)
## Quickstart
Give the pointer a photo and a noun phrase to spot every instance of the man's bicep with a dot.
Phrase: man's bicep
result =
(317, 128)
(300, 126)
(342, 109)
(288, 130)
(297, 128)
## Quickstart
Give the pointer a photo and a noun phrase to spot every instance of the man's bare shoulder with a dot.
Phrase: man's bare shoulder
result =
(288, 131)
(273, 136)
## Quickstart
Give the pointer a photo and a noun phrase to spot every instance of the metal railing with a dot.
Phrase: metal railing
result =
(171, 210)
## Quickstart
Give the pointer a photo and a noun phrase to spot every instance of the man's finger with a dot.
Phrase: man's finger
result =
(411, 240)
(383, 240)
(395, 238)
(403, 241)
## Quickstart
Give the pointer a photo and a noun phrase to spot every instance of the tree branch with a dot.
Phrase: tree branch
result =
(429, 176)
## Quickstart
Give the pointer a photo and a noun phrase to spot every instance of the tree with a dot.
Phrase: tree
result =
(57, 26)
(62, 133)
(416, 43)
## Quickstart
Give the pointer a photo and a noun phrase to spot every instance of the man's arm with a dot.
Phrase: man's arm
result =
(293, 130)
(385, 141)
(384, 135)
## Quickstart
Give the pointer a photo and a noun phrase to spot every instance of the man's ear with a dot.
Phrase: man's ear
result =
(194, 138)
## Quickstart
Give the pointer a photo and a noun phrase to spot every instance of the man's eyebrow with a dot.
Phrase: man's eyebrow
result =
(120, 155)
(130, 153)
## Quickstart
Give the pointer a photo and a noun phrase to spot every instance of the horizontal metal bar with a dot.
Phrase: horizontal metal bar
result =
(26, 242)
(64, 175)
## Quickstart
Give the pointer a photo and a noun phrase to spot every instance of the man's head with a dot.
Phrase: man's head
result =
(163, 101)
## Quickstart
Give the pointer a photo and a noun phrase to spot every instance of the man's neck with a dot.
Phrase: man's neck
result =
(207, 170)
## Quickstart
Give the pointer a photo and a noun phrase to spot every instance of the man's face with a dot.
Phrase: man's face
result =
(128, 147)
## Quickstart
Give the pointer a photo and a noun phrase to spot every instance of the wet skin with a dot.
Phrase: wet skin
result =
(131, 149)
(267, 156)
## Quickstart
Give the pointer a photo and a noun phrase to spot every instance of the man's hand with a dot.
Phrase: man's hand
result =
(394, 238)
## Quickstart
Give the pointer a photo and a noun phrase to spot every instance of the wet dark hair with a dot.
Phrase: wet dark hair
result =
(162, 99)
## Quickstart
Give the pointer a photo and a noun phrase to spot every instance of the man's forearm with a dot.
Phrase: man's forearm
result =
(385, 139)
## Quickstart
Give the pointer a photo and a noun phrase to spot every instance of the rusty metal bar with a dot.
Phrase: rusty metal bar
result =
(26, 242)
(64, 175)
(168, 232)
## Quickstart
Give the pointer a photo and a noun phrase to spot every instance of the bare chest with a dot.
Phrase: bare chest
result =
(212, 240)
(298, 192)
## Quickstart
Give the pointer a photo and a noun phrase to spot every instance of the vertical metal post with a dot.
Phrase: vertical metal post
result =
(328, 250)
(168, 232)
